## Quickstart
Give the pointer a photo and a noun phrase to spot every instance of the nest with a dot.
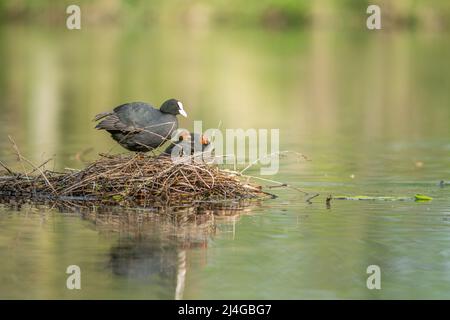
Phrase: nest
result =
(133, 180)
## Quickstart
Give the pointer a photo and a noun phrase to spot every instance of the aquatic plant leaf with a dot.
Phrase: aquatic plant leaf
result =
(417, 197)
(422, 197)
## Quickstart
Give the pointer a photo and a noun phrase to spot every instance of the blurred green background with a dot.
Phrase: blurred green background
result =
(419, 14)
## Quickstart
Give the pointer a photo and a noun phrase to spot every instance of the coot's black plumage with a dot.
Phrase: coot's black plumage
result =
(137, 126)
(188, 141)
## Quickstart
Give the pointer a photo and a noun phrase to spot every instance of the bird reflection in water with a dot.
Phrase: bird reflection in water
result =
(154, 248)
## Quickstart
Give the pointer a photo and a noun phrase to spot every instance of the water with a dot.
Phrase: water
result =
(369, 110)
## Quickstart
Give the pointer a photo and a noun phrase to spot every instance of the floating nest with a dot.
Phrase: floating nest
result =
(135, 180)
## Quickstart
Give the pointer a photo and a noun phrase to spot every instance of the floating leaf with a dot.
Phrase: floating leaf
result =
(417, 197)
(422, 197)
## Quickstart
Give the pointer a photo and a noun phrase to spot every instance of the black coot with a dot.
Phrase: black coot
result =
(187, 141)
(137, 126)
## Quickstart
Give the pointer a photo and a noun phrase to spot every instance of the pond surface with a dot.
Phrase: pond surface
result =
(371, 111)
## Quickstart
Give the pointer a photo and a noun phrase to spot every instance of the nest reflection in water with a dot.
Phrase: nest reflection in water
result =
(151, 247)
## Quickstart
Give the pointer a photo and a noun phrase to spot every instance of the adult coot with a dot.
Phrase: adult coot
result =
(137, 126)
(187, 143)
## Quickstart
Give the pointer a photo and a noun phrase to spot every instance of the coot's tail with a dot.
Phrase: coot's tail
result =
(102, 115)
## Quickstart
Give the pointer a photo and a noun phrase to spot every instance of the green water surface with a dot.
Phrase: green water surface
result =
(371, 111)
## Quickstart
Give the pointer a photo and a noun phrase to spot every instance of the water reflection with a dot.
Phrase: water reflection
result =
(122, 253)
(154, 249)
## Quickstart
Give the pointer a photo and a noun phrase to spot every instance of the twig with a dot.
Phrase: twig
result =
(282, 184)
(30, 163)
(271, 155)
(328, 201)
(40, 166)
(311, 197)
(6, 167)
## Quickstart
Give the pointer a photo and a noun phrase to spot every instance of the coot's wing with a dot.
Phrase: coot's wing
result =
(112, 122)
(144, 118)
(137, 114)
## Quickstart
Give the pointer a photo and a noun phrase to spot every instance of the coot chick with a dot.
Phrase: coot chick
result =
(137, 126)
(186, 143)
